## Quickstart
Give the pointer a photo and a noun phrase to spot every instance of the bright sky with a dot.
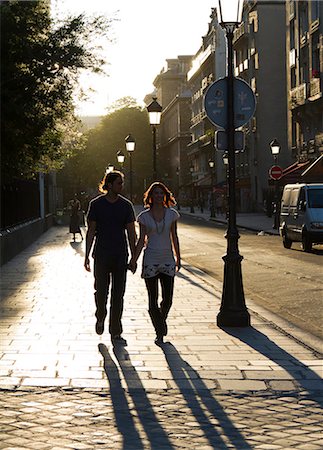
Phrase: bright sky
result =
(147, 33)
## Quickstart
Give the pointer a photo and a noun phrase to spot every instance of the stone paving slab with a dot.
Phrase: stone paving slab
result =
(48, 418)
(62, 386)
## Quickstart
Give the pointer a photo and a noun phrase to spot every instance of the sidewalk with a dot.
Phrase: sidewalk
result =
(250, 221)
(64, 387)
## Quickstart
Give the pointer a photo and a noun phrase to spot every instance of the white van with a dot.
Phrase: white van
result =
(301, 215)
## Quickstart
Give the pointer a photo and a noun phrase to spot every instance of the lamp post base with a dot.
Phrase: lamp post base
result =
(233, 311)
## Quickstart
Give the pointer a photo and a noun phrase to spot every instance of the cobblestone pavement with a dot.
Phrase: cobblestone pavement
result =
(63, 387)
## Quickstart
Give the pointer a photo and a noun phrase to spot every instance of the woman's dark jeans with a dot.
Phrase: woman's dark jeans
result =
(158, 314)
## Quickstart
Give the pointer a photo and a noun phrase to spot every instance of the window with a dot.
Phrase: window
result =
(304, 65)
(303, 18)
(315, 198)
(292, 34)
(315, 55)
(315, 10)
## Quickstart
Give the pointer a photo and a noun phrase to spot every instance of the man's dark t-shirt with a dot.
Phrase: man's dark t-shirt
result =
(111, 222)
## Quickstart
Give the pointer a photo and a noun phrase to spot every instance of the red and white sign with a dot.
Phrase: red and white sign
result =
(275, 172)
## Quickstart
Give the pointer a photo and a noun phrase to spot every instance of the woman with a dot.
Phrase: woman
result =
(75, 206)
(158, 230)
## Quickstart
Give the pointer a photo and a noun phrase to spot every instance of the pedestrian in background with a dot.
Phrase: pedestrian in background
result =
(75, 207)
(110, 216)
(158, 233)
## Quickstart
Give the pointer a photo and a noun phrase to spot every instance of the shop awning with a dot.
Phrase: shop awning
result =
(314, 172)
(292, 174)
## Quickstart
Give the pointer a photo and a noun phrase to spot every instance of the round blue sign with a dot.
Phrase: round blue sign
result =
(215, 103)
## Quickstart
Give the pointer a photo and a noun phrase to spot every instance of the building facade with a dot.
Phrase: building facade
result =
(208, 65)
(173, 132)
(260, 60)
(304, 24)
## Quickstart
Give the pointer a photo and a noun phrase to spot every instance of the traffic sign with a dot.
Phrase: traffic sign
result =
(275, 172)
(221, 140)
(215, 102)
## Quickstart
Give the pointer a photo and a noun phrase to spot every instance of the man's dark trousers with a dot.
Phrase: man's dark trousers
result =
(110, 271)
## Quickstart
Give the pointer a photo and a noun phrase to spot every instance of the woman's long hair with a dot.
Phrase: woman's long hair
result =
(169, 199)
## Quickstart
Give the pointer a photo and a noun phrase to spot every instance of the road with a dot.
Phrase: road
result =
(286, 282)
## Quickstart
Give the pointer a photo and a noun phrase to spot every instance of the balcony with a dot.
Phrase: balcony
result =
(240, 32)
(315, 89)
(297, 96)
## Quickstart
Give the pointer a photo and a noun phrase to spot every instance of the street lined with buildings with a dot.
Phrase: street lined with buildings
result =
(62, 386)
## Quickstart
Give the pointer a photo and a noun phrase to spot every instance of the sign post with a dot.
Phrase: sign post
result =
(275, 172)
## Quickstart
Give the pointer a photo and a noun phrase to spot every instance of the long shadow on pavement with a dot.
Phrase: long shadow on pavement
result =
(158, 438)
(196, 394)
(304, 376)
(124, 419)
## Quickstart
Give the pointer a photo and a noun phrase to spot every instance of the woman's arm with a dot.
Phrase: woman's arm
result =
(175, 242)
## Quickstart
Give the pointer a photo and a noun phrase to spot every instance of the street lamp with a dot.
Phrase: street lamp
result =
(212, 205)
(110, 168)
(192, 190)
(120, 158)
(130, 147)
(233, 311)
(275, 149)
(154, 111)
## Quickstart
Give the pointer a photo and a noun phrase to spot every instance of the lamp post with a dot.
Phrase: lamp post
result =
(275, 149)
(120, 158)
(178, 186)
(233, 311)
(154, 111)
(192, 190)
(212, 205)
(130, 147)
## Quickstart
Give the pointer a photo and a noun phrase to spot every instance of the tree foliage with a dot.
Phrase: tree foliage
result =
(84, 171)
(40, 65)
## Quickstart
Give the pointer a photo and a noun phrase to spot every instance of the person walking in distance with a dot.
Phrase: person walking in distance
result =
(158, 229)
(75, 207)
(110, 216)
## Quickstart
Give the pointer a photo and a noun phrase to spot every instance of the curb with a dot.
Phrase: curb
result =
(285, 327)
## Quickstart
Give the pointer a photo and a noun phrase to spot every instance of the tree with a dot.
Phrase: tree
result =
(84, 171)
(40, 65)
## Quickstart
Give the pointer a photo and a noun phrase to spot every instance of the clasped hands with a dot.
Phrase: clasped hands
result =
(132, 266)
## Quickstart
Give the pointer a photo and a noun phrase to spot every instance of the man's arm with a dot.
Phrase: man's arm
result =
(132, 237)
(88, 243)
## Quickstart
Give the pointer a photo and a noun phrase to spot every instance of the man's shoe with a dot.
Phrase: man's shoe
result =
(99, 327)
(159, 340)
(117, 339)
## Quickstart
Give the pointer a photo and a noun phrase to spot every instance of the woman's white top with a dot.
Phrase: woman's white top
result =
(158, 254)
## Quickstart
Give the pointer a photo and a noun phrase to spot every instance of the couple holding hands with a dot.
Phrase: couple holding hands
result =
(110, 218)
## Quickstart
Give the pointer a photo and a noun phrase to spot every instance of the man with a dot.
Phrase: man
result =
(109, 217)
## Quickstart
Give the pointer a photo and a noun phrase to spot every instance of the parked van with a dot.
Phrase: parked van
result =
(301, 215)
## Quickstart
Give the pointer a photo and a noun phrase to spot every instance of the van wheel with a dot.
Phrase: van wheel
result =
(287, 243)
(306, 243)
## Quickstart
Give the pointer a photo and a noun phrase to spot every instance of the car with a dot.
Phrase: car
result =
(301, 215)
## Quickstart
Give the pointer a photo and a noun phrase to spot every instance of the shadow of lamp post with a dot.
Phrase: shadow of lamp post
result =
(233, 311)
(154, 111)
(275, 149)
(130, 147)
(212, 203)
